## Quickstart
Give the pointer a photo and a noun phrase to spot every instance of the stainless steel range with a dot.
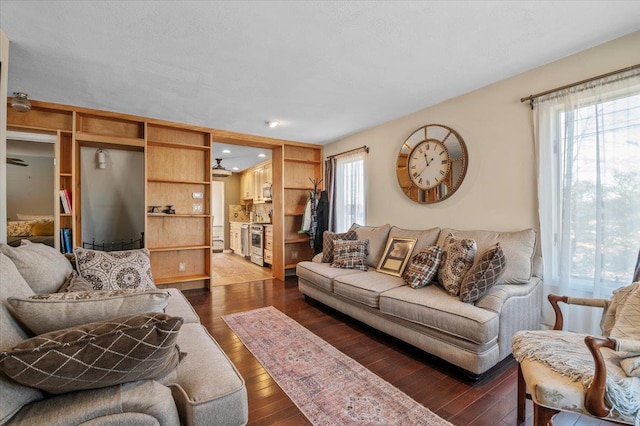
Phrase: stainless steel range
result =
(257, 244)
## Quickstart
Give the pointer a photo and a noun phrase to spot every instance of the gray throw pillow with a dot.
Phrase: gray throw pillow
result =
(44, 268)
(457, 259)
(423, 267)
(328, 238)
(43, 313)
(96, 355)
(483, 275)
(350, 254)
(116, 269)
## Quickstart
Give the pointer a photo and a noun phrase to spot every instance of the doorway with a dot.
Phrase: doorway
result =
(30, 180)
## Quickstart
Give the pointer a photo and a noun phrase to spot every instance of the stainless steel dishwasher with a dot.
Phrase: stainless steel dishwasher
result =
(246, 243)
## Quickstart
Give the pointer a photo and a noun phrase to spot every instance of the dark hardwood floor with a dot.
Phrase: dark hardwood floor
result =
(432, 382)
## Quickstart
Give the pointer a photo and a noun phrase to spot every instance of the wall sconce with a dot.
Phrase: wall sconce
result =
(20, 103)
(102, 155)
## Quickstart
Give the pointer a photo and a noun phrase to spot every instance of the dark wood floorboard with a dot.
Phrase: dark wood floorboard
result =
(432, 382)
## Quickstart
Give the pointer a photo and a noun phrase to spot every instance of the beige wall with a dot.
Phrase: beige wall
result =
(499, 191)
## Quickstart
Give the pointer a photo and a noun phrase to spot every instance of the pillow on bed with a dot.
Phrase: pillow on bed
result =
(34, 217)
(42, 228)
(19, 228)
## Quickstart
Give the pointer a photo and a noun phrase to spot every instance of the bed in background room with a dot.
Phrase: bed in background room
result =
(37, 229)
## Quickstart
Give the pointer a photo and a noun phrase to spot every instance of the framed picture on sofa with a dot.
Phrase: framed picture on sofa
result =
(396, 255)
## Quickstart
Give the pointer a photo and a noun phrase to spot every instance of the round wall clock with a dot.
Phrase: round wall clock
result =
(432, 163)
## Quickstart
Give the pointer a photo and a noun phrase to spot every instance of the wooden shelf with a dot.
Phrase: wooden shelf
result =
(297, 240)
(299, 160)
(180, 145)
(66, 174)
(181, 279)
(300, 188)
(290, 266)
(65, 215)
(204, 247)
(111, 140)
(176, 215)
(190, 182)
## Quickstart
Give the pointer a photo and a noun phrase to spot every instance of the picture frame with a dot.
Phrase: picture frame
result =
(396, 255)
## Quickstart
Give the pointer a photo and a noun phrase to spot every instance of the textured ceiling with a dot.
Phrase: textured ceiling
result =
(323, 69)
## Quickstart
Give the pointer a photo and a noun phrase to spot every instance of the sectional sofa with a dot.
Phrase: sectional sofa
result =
(203, 389)
(473, 336)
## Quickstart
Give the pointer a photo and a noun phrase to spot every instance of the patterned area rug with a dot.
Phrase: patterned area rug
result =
(327, 386)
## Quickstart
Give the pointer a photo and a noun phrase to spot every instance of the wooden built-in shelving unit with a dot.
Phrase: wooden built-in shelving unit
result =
(177, 164)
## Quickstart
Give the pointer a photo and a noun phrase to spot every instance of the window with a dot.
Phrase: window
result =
(350, 190)
(588, 142)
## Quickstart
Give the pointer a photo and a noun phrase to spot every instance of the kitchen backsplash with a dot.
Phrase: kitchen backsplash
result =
(262, 212)
(237, 213)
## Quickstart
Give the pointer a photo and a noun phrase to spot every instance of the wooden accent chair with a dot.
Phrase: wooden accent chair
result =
(615, 356)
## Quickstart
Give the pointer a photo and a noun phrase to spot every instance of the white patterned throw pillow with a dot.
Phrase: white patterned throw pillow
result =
(116, 269)
(457, 259)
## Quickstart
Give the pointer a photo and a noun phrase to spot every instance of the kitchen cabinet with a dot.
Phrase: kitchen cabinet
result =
(252, 182)
(235, 237)
(247, 185)
(268, 244)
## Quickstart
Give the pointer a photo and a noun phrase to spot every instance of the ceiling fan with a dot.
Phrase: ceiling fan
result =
(16, 162)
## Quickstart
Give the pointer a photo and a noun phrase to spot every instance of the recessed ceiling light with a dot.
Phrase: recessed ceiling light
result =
(273, 123)
(262, 155)
(234, 168)
(225, 151)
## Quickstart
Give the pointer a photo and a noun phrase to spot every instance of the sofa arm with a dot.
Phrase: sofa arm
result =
(317, 258)
(499, 294)
(146, 401)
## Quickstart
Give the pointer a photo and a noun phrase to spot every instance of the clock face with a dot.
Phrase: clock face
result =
(432, 164)
(428, 164)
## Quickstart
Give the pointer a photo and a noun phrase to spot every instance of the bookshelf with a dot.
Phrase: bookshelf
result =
(178, 165)
(300, 165)
(64, 172)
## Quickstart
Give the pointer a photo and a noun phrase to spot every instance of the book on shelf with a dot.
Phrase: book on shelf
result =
(65, 240)
(65, 200)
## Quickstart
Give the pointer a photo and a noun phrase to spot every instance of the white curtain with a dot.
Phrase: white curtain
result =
(350, 190)
(588, 153)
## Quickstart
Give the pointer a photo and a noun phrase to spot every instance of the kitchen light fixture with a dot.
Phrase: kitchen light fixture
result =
(261, 155)
(235, 168)
(226, 151)
(219, 171)
(272, 123)
(20, 103)
(101, 158)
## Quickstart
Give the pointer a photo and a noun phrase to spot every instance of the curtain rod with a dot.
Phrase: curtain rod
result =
(530, 98)
(364, 147)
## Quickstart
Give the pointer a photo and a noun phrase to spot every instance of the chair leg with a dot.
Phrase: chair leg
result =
(522, 395)
(542, 416)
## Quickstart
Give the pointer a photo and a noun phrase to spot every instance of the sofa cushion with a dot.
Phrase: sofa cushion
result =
(328, 238)
(423, 267)
(42, 267)
(377, 236)
(457, 258)
(179, 306)
(116, 269)
(483, 275)
(12, 395)
(207, 388)
(518, 248)
(424, 238)
(432, 307)
(48, 312)
(95, 355)
(366, 287)
(322, 274)
(349, 254)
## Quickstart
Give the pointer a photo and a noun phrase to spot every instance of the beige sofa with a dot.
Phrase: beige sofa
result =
(473, 336)
(204, 389)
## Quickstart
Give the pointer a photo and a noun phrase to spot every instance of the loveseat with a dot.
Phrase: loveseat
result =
(473, 335)
(201, 387)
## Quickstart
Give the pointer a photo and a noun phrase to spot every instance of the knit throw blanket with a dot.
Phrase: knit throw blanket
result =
(566, 354)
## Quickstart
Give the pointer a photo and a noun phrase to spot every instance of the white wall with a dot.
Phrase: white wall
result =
(30, 189)
(499, 191)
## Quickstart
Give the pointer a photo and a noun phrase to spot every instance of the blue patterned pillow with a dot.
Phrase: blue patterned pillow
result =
(350, 254)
